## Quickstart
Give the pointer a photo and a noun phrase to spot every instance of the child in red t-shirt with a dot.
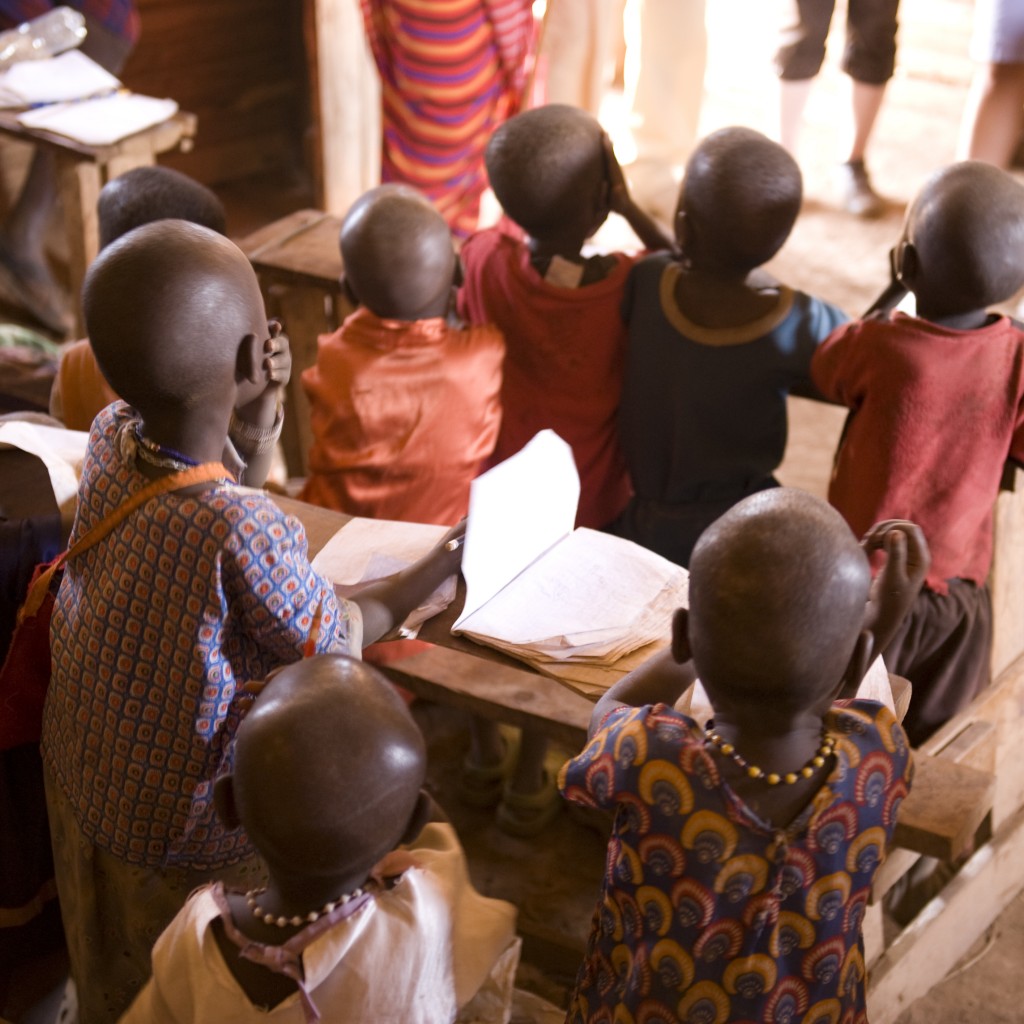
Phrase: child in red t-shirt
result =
(937, 407)
(554, 173)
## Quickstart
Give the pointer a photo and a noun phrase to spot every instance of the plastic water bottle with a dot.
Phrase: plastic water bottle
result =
(51, 33)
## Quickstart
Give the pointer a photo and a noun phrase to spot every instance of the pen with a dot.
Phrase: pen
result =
(454, 544)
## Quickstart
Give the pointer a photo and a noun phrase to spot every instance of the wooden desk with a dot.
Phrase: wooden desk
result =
(83, 170)
(467, 675)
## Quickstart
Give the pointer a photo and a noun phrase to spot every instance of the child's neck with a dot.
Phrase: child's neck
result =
(721, 300)
(200, 438)
(972, 320)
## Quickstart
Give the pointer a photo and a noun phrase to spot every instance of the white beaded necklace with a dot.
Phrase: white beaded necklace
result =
(295, 920)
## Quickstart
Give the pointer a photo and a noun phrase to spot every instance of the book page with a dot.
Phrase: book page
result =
(592, 591)
(517, 510)
(348, 556)
(102, 121)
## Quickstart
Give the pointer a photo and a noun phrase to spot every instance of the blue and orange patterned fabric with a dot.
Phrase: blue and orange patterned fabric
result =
(117, 16)
(154, 630)
(710, 914)
(451, 71)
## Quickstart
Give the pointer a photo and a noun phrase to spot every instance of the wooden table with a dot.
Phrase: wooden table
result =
(465, 674)
(83, 170)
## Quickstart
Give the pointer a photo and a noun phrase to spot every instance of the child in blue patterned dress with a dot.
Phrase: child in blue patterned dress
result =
(159, 626)
(715, 345)
(742, 854)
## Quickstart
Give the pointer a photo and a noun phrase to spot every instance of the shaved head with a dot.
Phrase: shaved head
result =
(398, 254)
(778, 588)
(328, 768)
(546, 167)
(967, 227)
(167, 307)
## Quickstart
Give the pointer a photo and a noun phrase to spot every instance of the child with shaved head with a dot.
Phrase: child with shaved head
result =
(716, 345)
(743, 850)
(404, 403)
(139, 196)
(160, 624)
(555, 175)
(936, 408)
(353, 925)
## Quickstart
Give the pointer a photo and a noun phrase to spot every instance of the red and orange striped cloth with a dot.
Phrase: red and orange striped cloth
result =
(451, 71)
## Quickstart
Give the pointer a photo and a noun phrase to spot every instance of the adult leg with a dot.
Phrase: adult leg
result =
(869, 60)
(23, 260)
(666, 55)
(993, 115)
(798, 61)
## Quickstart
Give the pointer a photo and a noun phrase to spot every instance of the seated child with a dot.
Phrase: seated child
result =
(136, 197)
(352, 926)
(159, 626)
(742, 855)
(403, 403)
(937, 407)
(554, 173)
(715, 345)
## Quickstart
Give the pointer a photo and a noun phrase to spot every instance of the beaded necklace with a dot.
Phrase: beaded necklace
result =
(828, 744)
(296, 919)
(160, 455)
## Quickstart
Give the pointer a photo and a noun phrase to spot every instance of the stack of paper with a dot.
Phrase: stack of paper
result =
(545, 593)
(73, 96)
(71, 76)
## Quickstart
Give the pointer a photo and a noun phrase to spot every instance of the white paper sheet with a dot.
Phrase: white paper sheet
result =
(70, 76)
(372, 549)
(103, 121)
(517, 511)
(62, 452)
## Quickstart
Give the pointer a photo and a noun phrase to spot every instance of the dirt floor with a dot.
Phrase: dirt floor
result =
(554, 880)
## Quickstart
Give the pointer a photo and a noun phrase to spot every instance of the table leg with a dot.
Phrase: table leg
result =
(79, 184)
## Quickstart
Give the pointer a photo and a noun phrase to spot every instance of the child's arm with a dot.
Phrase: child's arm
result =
(621, 202)
(386, 603)
(896, 586)
(256, 426)
(659, 680)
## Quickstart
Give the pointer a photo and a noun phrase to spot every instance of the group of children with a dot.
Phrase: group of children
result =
(743, 850)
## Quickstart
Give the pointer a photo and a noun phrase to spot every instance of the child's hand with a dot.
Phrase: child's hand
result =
(277, 356)
(897, 585)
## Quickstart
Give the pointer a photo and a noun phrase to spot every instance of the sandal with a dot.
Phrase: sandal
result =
(482, 785)
(528, 814)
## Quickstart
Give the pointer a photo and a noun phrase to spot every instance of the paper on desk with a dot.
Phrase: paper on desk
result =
(102, 121)
(70, 76)
(372, 549)
(517, 511)
(590, 597)
(61, 451)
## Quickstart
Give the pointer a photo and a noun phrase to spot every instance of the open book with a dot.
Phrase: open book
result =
(545, 593)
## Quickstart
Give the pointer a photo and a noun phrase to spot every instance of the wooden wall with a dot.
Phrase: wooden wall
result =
(239, 65)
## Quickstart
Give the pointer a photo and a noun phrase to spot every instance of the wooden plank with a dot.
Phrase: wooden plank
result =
(928, 948)
(347, 102)
(1007, 577)
(79, 184)
(517, 696)
(944, 808)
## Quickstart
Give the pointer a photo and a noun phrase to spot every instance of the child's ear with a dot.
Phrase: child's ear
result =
(906, 262)
(249, 361)
(224, 801)
(681, 650)
(424, 811)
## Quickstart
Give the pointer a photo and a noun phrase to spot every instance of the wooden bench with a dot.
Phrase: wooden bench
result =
(83, 170)
(298, 263)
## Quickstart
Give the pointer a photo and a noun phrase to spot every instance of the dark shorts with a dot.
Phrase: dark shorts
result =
(869, 55)
(673, 529)
(943, 647)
